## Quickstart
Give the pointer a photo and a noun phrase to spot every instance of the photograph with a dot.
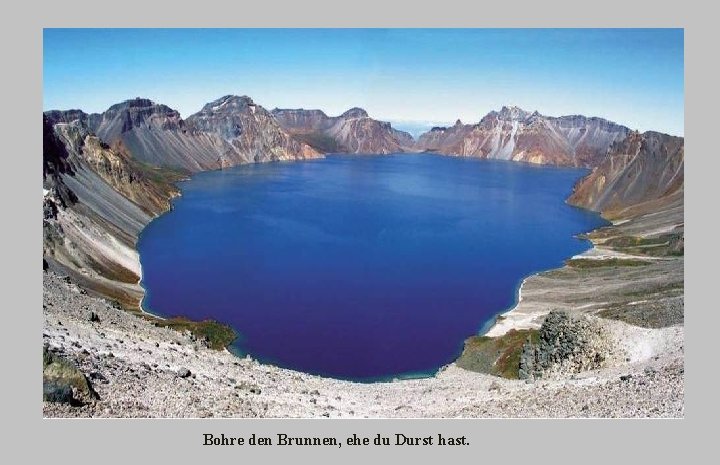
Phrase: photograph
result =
(363, 223)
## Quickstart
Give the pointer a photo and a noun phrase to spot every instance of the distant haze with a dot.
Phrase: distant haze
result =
(415, 128)
(633, 77)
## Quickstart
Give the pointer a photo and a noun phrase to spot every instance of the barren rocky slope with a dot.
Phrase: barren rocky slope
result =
(96, 200)
(515, 134)
(352, 132)
(641, 169)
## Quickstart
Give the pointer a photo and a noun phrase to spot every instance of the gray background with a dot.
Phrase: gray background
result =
(26, 435)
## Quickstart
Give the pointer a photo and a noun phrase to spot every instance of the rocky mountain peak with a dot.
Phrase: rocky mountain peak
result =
(506, 113)
(458, 123)
(355, 113)
(119, 118)
(140, 106)
(297, 110)
(64, 116)
(513, 113)
(228, 103)
(137, 102)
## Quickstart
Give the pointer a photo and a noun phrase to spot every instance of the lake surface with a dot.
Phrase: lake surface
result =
(359, 267)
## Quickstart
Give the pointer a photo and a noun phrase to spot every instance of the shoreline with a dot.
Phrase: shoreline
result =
(141, 370)
(510, 319)
(503, 322)
(140, 306)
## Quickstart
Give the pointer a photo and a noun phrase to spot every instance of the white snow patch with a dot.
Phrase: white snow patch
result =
(219, 106)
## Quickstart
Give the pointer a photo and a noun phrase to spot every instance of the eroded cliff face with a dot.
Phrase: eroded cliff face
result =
(152, 133)
(251, 131)
(518, 135)
(644, 172)
(226, 132)
(352, 132)
(96, 200)
(301, 120)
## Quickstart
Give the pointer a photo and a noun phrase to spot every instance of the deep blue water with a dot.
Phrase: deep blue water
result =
(359, 267)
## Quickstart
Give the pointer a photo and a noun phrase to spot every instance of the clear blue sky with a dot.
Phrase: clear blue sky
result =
(633, 77)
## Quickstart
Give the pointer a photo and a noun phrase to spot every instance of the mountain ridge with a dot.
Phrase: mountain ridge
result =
(234, 129)
(353, 131)
(156, 134)
(518, 135)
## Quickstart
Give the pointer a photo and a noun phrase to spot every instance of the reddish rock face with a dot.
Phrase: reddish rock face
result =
(352, 132)
(514, 134)
(251, 131)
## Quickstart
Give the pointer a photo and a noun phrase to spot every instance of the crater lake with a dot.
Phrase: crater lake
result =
(359, 267)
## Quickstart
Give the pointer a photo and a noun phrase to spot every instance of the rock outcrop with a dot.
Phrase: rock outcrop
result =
(352, 132)
(518, 135)
(63, 382)
(566, 344)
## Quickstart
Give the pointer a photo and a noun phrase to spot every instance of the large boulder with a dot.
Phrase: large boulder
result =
(566, 345)
(63, 382)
